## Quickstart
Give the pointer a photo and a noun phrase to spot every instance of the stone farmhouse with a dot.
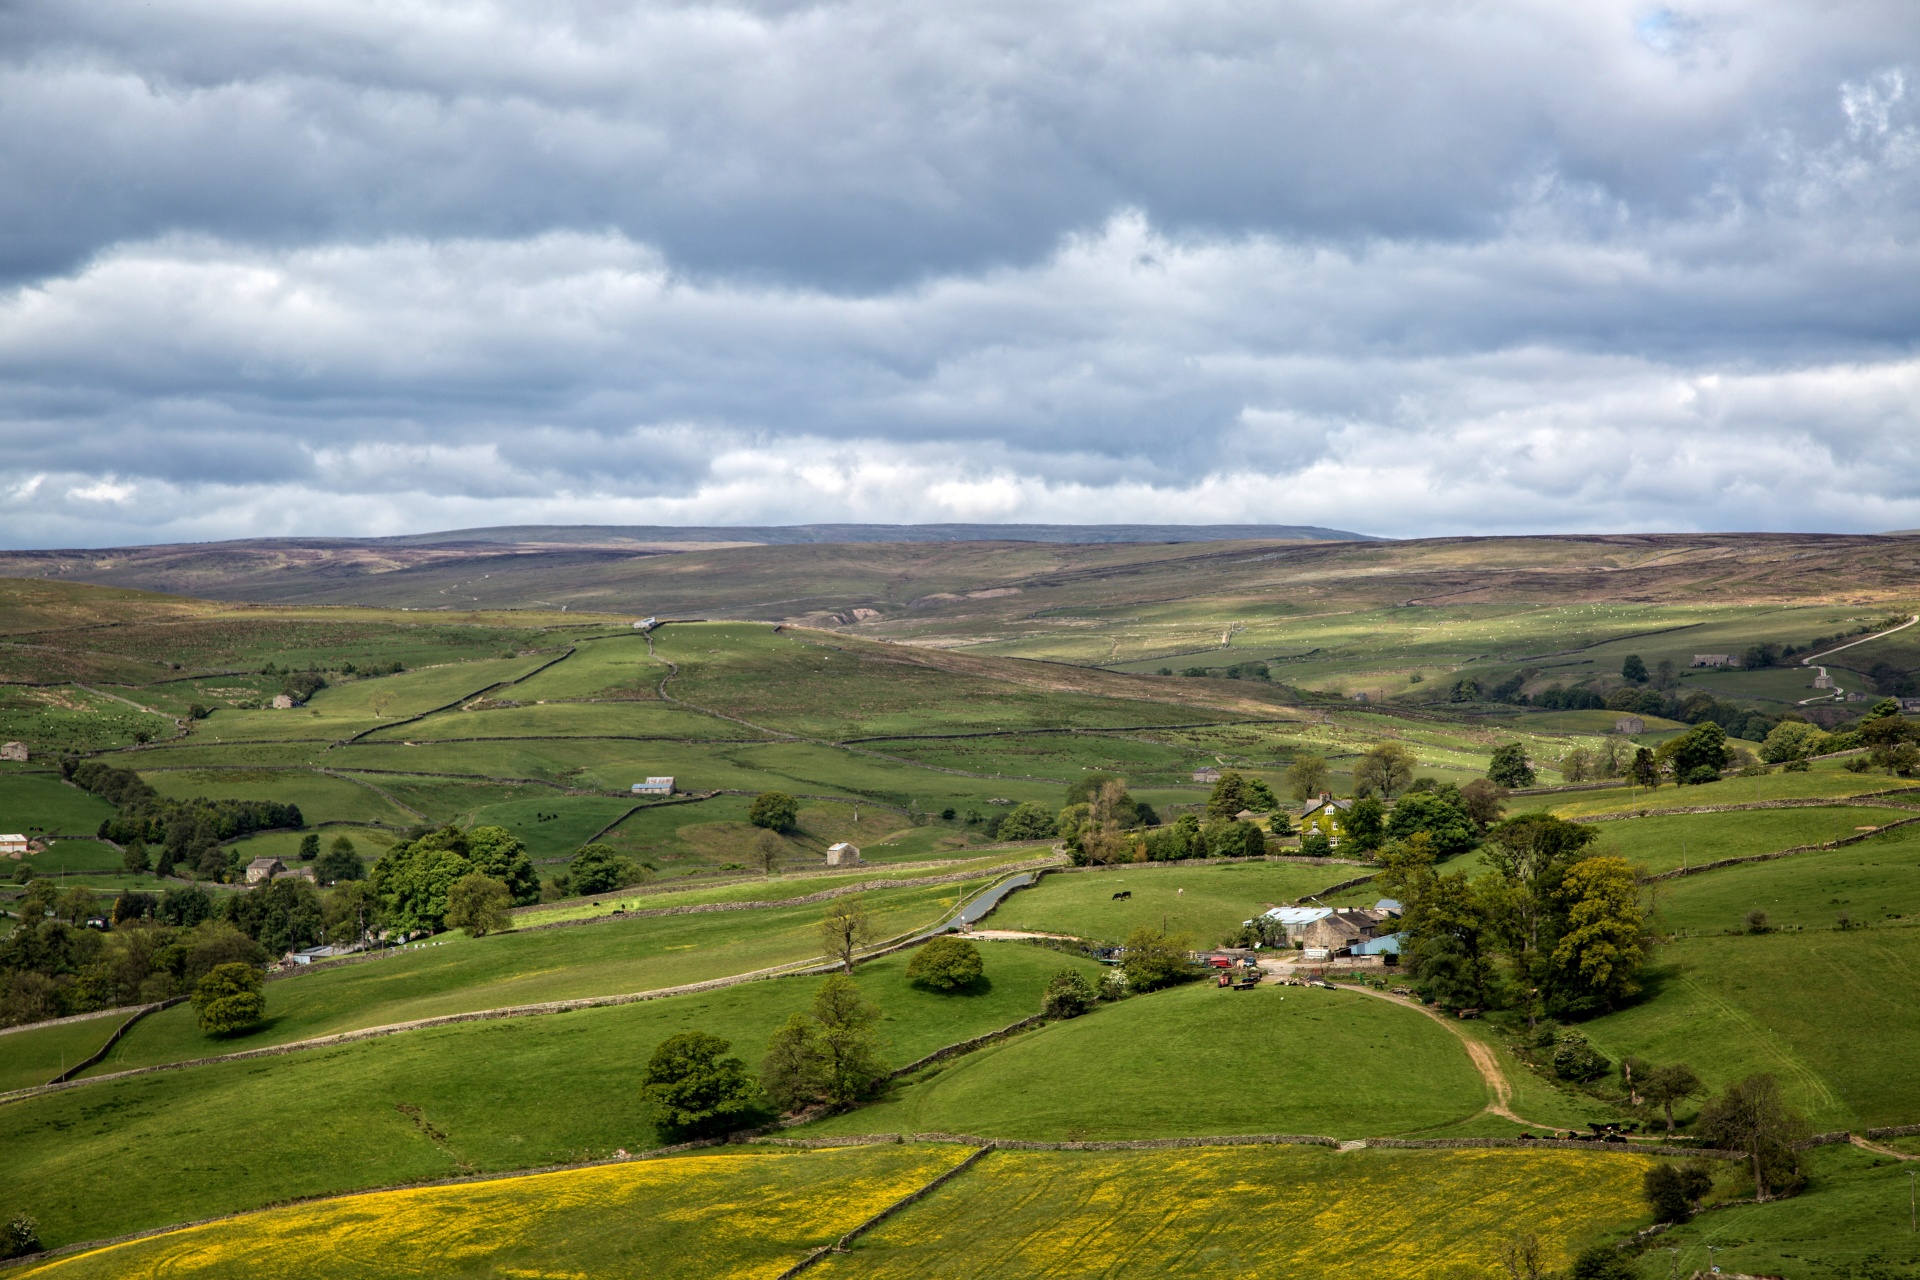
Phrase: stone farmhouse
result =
(1325, 815)
(1715, 660)
(1208, 774)
(15, 751)
(843, 855)
(262, 869)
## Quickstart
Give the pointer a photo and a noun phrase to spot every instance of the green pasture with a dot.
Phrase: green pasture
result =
(452, 973)
(1829, 1013)
(1663, 842)
(321, 797)
(71, 855)
(44, 1053)
(938, 840)
(69, 718)
(794, 685)
(570, 720)
(508, 1094)
(1821, 782)
(1199, 1059)
(1876, 882)
(1250, 1211)
(1203, 902)
(1775, 689)
(715, 832)
(674, 1219)
(368, 842)
(615, 667)
(36, 803)
(1854, 1219)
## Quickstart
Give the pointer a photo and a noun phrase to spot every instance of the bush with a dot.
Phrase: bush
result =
(1315, 844)
(1068, 995)
(1575, 1059)
(19, 1237)
(598, 868)
(478, 903)
(694, 1088)
(1602, 1262)
(946, 963)
(774, 810)
(229, 998)
(1154, 959)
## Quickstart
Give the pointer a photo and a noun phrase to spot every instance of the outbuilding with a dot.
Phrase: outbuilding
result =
(654, 787)
(13, 846)
(843, 855)
(264, 869)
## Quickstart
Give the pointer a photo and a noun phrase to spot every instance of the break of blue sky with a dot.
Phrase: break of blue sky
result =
(1409, 268)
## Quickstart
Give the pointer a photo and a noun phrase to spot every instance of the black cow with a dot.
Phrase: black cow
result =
(1124, 893)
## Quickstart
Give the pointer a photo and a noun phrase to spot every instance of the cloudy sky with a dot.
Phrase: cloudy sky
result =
(311, 267)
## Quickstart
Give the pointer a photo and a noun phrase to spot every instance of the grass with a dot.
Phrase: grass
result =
(1204, 902)
(457, 974)
(36, 803)
(729, 1214)
(1830, 1014)
(1252, 1211)
(72, 855)
(60, 718)
(511, 1094)
(35, 1057)
(1876, 882)
(570, 720)
(321, 797)
(1660, 842)
(1853, 1220)
(1826, 781)
(1199, 1060)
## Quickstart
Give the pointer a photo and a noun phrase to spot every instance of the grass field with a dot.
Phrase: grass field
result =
(1199, 1060)
(1796, 1005)
(321, 797)
(1249, 1211)
(732, 1214)
(457, 974)
(508, 1094)
(36, 803)
(1875, 882)
(35, 1057)
(1822, 782)
(1204, 902)
(1665, 842)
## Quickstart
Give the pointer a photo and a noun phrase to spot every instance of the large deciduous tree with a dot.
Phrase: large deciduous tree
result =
(229, 998)
(1386, 768)
(695, 1087)
(774, 810)
(1306, 777)
(1752, 1117)
(1601, 944)
(1509, 767)
(845, 929)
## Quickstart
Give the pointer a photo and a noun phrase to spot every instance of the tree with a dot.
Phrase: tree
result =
(774, 810)
(1095, 834)
(946, 963)
(1666, 1192)
(1153, 959)
(600, 868)
(412, 879)
(1366, 824)
(1576, 765)
(1753, 1118)
(339, 863)
(349, 913)
(1601, 1262)
(696, 1089)
(1699, 754)
(309, 846)
(1449, 830)
(767, 852)
(1645, 770)
(1229, 795)
(1386, 767)
(1028, 820)
(1524, 1258)
(1792, 740)
(134, 857)
(1600, 948)
(478, 903)
(229, 998)
(828, 1054)
(1634, 669)
(1068, 995)
(1529, 854)
(1484, 802)
(1667, 1085)
(1306, 777)
(1509, 768)
(1089, 785)
(845, 929)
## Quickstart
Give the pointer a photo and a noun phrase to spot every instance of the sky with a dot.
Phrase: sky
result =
(286, 267)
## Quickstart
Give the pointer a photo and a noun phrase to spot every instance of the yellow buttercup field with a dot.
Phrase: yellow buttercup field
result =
(736, 1213)
(1252, 1211)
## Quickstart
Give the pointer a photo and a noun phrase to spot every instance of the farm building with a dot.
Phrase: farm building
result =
(654, 787)
(1387, 909)
(843, 855)
(307, 955)
(1629, 725)
(1715, 660)
(283, 702)
(1208, 774)
(263, 869)
(1325, 816)
(1340, 930)
(1387, 944)
(13, 846)
(646, 624)
(1823, 681)
(1293, 921)
(15, 751)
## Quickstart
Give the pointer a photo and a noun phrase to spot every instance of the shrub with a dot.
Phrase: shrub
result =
(1154, 959)
(1068, 995)
(19, 1237)
(1602, 1262)
(599, 868)
(1027, 821)
(1314, 844)
(946, 963)
(1575, 1059)
(1757, 921)
(229, 998)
